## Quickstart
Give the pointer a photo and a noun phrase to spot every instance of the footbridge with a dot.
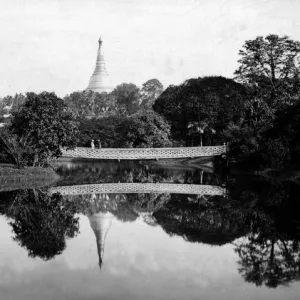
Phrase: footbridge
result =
(144, 153)
(133, 188)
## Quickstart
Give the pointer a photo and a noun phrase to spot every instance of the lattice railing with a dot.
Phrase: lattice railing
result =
(126, 188)
(145, 153)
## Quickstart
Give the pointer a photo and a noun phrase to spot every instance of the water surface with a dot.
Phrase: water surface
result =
(244, 244)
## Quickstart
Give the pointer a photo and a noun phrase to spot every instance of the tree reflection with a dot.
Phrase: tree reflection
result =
(41, 223)
(270, 254)
(270, 261)
(203, 219)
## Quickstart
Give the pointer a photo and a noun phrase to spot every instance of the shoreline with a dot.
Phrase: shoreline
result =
(12, 178)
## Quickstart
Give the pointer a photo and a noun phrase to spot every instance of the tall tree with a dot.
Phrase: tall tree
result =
(272, 64)
(150, 91)
(126, 97)
(143, 130)
(211, 100)
(103, 104)
(81, 103)
(18, 100)
(46, 123)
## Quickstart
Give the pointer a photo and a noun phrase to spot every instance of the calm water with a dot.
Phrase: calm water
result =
(244, 244)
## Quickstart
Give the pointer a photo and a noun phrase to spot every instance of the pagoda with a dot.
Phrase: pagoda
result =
(100, 81)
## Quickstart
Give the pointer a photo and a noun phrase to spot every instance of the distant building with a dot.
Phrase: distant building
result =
(100, 80)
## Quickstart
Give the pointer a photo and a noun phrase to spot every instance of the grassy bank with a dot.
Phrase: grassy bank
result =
(12, 178)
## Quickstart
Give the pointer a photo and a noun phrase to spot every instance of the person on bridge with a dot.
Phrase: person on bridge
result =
(92, 144)
(99, 144)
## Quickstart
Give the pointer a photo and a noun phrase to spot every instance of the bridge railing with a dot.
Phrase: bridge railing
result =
(125, 188)
(145, 153)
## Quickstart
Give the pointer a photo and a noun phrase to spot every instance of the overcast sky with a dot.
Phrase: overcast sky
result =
(51, 44)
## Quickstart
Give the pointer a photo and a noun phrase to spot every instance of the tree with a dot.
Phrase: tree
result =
(88, 103)
(269, 254)
(143, 130)
(8, 100)
(199, 128)
(150, 91)
(47, 124)
(13, 149)
(10, 104)
(104, 129)
(281, 146)
(197, 220)
(269, 68)
(18, 100)
(126, 97)
(272, 65)
(2, 110)
(6, 104)
(81, 103)
(104, 104)
(211, 100)
(269, 260)
(41, 223)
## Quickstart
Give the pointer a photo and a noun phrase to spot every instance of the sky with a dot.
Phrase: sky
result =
(51, 45)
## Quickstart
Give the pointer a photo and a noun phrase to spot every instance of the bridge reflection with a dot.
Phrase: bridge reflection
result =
(144, 188)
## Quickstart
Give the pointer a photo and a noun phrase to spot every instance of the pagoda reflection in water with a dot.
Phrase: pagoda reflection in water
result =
(100, 223)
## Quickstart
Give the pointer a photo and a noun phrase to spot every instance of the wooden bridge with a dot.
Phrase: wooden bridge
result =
(144, 153)
(133, 188)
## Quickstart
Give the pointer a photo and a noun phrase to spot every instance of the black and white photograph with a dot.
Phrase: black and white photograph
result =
(149, 149)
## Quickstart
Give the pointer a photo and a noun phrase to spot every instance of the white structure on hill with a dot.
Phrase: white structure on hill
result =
(100, 80)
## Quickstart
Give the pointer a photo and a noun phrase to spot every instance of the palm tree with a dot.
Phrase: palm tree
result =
(200, 127)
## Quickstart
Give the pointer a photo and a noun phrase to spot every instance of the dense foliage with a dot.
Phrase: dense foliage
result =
(143, 129)
(272, 65)
(126, 96)
(89, 104)
(43, 124)
(266, 135)
(103, 129)
(150, 91)
(202, 106)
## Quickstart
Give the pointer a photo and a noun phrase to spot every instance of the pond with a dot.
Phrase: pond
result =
(235, 237)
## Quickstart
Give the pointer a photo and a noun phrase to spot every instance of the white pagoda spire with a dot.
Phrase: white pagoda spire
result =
(100, 81)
